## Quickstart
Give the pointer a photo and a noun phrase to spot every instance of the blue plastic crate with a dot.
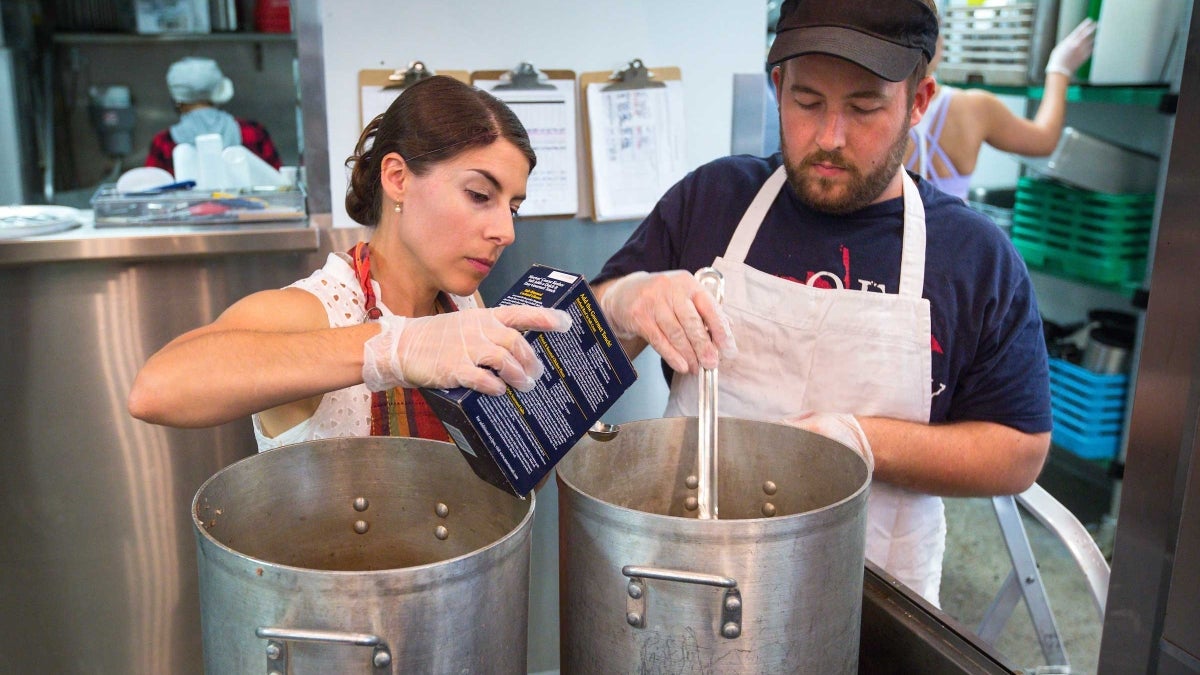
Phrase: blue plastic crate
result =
(1088, 409)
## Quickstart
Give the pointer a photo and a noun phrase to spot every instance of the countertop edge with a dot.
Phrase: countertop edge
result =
(146, 244)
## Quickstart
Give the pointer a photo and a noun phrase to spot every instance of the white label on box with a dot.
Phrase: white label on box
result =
(459, 439)
(561, 276)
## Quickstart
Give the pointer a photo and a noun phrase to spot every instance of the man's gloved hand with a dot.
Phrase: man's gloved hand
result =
(477, 348)
(1068, 55)
(674, 314)
(841, 427)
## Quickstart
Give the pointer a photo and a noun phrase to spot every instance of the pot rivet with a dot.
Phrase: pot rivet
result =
(731, 630)
(691, 482)
(768, 509)
(382, 659)
(361, 504)
(441, 532)
(635, 590)
(770, 487)
(441, 510)
(634, 619)
(272, 651)
(691, 504)
(733, 603)
(361, 526)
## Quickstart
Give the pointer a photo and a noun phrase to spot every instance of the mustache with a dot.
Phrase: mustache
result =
(826, 157)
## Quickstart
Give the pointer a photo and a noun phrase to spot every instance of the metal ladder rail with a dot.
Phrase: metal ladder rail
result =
(1024, 581)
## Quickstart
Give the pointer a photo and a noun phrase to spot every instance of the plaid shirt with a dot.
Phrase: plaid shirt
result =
(254, 137)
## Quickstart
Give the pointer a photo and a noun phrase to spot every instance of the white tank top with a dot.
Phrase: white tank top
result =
(345, 412)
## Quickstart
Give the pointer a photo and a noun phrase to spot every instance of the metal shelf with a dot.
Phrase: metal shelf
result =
(136, 39)
(1147, 95)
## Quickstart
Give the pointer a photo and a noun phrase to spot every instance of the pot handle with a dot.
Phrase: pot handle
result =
(278, 638)
(635, 606)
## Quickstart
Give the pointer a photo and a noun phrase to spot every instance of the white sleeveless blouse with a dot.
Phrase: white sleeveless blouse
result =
(345, 412)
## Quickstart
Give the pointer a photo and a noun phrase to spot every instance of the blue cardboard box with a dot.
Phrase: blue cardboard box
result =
(513, 440)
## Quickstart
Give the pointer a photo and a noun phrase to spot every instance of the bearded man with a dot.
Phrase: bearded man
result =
(860, 302)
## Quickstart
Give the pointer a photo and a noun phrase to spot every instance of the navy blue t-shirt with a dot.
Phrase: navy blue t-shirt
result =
(989, 354)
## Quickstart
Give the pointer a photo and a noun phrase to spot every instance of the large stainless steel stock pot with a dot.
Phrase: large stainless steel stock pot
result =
(361, 555)
(773, 586)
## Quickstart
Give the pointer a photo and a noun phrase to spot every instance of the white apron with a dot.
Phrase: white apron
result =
(817, 349)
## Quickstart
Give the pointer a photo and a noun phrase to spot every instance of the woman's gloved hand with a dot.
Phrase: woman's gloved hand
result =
(1068, 55)
(477, 348)
(674, 314)
(841, 427)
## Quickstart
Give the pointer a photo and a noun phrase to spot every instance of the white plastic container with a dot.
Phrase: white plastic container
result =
(1134, 41)
(184, 159)
(259, 172)
(210, 174)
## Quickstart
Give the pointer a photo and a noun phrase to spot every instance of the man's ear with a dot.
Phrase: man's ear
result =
(777, 80)
(394, 176)
(925, 90)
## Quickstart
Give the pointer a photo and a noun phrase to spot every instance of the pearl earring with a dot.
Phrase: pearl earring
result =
(398, 208)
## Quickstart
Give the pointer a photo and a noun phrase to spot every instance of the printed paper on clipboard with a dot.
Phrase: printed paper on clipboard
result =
(544, 101)
(637, 140)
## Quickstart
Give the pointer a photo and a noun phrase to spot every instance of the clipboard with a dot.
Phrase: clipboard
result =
(633, 126)
(545, 102)
(377, 88)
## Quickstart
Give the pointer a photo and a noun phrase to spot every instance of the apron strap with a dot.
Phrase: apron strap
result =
(912, 249)
(747, 228)
(398, 411)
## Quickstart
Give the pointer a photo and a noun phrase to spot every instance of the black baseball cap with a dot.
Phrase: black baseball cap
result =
(887, 37)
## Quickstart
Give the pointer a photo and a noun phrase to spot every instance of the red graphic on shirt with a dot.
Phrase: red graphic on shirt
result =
(935, 345)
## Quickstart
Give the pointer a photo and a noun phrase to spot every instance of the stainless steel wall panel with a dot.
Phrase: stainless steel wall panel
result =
(1162, 431)
(97, 561)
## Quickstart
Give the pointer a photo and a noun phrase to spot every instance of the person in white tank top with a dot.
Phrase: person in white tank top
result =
(944, 146)
(395, 313)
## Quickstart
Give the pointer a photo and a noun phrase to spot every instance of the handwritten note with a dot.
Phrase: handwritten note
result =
(637, 147)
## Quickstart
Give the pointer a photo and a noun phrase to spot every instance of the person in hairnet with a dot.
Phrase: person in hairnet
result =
(198, 86)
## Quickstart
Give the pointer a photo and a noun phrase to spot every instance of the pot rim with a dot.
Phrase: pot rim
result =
(856, 494)
(198, 527)
(720, 522)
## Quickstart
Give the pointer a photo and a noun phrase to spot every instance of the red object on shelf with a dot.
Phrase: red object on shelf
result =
(273, 16)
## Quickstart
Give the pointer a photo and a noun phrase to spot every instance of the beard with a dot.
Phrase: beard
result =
(859, 191)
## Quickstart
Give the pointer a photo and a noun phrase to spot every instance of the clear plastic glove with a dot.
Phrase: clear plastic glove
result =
(841, 427)
(674, 314)
(1068, 55)
(477, 348)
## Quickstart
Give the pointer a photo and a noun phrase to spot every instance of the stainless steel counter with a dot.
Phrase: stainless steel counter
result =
(88, 242)
(96, 545)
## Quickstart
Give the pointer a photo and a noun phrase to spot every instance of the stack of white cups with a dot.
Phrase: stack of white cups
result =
(215, 167)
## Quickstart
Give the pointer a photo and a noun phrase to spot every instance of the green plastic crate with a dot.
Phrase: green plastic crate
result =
(1092, 236)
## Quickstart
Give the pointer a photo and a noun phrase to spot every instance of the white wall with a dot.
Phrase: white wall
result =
(709, 40)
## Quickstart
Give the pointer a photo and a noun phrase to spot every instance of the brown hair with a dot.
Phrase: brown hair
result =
(922, 70)
(430, 122)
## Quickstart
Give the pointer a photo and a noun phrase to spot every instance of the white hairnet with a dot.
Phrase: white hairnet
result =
(196, 79)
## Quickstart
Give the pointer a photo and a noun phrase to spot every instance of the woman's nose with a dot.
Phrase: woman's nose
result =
(502, 230)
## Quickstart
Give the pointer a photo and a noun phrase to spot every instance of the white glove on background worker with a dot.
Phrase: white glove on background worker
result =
(674, 314)
(1068, 55)
(477, 348)
(841, 427)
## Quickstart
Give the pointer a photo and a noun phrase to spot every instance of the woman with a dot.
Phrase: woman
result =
(944, 146)
(440, 175)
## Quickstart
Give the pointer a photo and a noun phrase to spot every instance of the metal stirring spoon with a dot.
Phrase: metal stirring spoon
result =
(706, 496)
